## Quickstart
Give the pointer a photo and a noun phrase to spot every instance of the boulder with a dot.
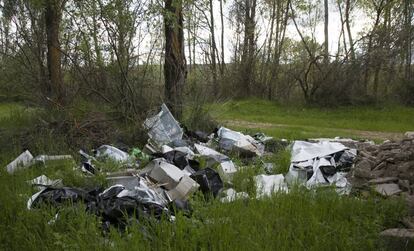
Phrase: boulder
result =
(398, 238)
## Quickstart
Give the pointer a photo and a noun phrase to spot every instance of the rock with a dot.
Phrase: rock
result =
(380, 166)
(404, 185)
(409, 135)
(388, 189)
(363, 169)
(383, 180)
(398, 238)
(408, 222)
(409, 201)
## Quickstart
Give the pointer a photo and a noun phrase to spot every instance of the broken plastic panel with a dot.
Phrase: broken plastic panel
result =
(164, 173)
(163, 128)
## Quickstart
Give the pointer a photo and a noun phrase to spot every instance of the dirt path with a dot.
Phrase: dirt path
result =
(359, 133)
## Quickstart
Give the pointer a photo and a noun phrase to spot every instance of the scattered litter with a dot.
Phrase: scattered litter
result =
(209, 181)
(44, 158)
(268, 184)
(22, 161)
(321, 163)
(111, 152)
(184, 189)
(163, 128)
(232, 195)
(165, 173)
(44, 181)
(245, 145)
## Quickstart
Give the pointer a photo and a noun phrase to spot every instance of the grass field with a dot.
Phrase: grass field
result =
(299, 220)
(300, 122)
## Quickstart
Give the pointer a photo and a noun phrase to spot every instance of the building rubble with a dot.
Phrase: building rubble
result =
(173, 165)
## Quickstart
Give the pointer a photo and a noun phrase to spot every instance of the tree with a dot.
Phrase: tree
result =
(326, 32)
(175, 65)
(53, 16)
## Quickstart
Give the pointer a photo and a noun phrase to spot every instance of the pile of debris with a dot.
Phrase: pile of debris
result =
(156, 181)
(388, 167)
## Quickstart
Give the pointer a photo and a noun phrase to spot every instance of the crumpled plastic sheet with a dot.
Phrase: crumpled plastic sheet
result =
(112, 205)
(163, 128)
(44, 181)
(111, 152)
(209, 181)
(266, 185)
(245, 144)
(321, 163)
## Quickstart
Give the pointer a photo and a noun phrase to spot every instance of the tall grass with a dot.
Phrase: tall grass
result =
(298, 220)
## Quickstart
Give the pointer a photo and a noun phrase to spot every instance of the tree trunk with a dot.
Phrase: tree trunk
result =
(222, 40)
(53, 14)
(348, 28)
(326, 44)
(213, 50)
(175, 66)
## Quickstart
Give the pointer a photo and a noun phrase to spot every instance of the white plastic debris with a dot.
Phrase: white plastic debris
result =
(227, 170)
(111, 152)
(144, 193)
(44, 158)
(268, 184)
(303, 151)
(232, 195)
(232, 140)
(163, 128)
(226, 166)
(184, 189)
(165, 173)
(22, 161)
(44, 181)
(313, 164)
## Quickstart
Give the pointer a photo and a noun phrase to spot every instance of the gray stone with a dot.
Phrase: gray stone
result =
(398, 238)
(388, 189)
(409, 135)
(404, 185)
(409, 201)
(383, 180)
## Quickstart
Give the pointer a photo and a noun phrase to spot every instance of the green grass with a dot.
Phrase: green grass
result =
(298, 220)
(302, 122)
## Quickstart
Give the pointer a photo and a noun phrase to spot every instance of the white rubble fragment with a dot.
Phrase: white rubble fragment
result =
(22, 161)
(268, 184)
(232, 195)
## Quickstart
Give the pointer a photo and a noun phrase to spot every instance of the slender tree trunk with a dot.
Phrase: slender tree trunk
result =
(326, 44)
(223, 64)
(213, 50)
(348, 28)
(175, 65)
(269, 51)
(408, 49)
(53, 14)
